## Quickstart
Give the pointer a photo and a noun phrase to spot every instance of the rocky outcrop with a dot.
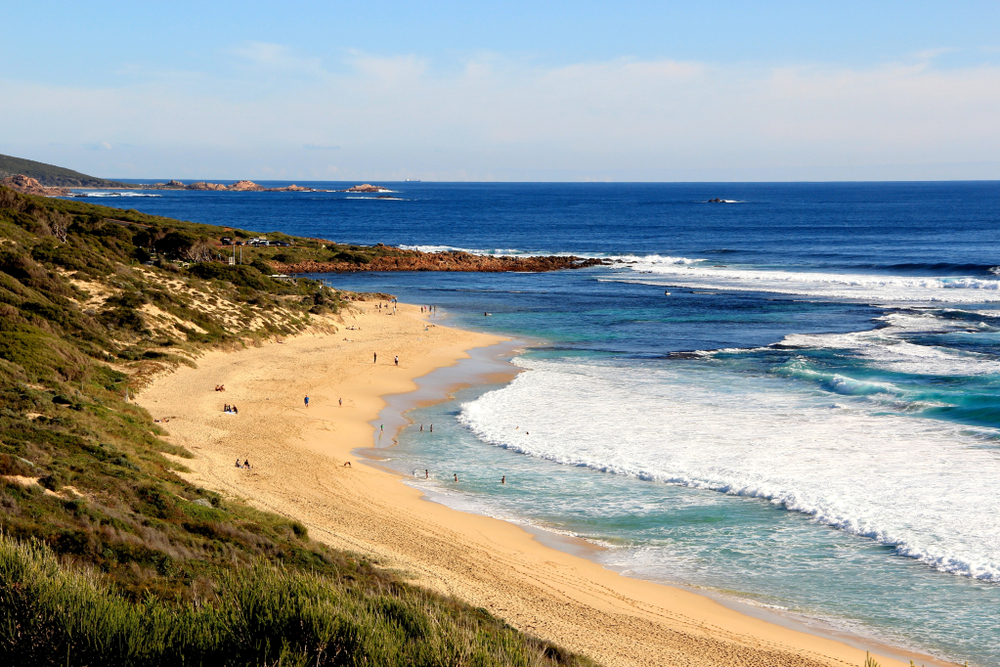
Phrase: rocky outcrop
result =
(31, 186)
(202, 185)
(367, 187)
(239, 186)
(414, 260)
(246, 186)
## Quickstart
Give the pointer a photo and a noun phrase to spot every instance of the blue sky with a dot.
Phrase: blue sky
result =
(505, 91)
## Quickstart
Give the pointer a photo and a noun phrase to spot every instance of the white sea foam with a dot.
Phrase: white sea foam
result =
(869, 288)
(100, 194)
(471, 251)
(886, 347)
(925, 487)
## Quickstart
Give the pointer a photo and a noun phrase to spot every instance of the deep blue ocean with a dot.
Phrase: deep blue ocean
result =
(790, 399)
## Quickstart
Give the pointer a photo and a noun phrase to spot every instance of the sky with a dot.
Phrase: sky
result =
(512, 91)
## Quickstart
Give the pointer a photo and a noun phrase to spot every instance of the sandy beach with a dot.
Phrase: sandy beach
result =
(299, 455)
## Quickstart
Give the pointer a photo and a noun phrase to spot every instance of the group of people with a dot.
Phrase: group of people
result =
(428, 309)
(230, 409)
(220, 387)
(245, 464)
(427, 475)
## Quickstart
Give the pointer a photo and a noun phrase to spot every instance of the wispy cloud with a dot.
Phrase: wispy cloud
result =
(488, 115)
(277, 57)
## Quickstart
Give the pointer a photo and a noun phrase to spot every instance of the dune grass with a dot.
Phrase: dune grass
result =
(258, 615)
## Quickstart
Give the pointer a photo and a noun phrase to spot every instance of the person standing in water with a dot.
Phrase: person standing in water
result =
(456, 476)
(503, 480)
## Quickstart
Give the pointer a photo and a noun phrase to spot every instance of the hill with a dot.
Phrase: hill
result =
(53, 176)
(107, 555)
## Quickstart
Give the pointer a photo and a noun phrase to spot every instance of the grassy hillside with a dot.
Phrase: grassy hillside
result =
(107, 556)
(52, 176)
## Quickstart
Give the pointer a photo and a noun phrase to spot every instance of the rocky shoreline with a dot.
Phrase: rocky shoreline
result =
(31, 186)
(416, 260)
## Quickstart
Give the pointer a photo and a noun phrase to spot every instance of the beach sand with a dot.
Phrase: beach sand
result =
(298, 455)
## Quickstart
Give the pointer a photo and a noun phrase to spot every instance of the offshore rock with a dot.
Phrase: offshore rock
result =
(367, 187)
(246, 186)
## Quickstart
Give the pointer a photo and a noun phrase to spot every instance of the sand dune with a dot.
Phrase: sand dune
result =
(298, 454)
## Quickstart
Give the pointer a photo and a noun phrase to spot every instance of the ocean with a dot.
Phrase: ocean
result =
(790, 399)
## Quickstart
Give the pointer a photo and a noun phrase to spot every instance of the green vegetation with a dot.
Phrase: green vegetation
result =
(260, 615)
(51, 175)
(107, 555)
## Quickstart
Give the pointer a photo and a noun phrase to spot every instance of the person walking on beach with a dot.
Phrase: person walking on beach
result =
(307, 401)
(374, 357)
(341, 401)
(397, 359)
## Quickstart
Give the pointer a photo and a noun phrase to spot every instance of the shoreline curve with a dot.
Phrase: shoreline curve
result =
(299, 451)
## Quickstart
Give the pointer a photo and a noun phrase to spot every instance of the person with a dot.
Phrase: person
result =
(347, 464)
(397, 359)
(432, 428)
(235, 411)
(307, 401)
(246, 463)
(238, 463)
(421, 428)
(374, 357)
(341, 402)
(427, 475)
(381, 428)
(456, 476)
(503, 480)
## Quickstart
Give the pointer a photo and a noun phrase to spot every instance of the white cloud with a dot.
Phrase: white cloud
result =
(490, 115)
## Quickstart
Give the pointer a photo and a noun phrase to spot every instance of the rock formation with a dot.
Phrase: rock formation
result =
(367, 187)
(246, 186)
(415, 260)
(31, 186)
(239, 186)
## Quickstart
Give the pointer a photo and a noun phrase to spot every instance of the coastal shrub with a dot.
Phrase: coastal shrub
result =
(239, 275)
(258, 615)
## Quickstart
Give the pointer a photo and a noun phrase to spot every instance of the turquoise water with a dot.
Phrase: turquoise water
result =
(791, 399)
